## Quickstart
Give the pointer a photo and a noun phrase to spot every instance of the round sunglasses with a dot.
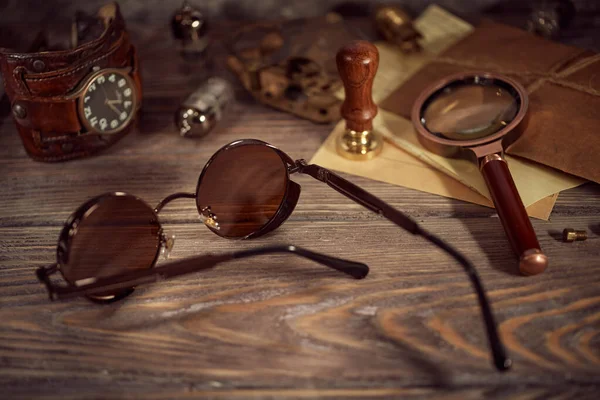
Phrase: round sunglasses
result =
(112, 242)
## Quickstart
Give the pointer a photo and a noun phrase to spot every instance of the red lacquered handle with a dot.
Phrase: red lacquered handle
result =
(512, 213)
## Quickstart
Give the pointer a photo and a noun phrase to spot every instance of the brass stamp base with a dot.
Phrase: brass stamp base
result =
(359, 146)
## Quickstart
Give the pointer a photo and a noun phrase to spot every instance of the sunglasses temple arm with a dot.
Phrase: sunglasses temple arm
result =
(501, 360)
(196, 264)
(136, 278)
(354, 269)
(361, 197)
(373, 203)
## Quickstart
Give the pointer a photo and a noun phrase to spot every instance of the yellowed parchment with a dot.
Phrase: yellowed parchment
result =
(534, 181)
(441, 30)
(398, 167)
(538, 185)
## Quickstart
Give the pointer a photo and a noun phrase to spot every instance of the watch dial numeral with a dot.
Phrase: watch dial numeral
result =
(108, 102)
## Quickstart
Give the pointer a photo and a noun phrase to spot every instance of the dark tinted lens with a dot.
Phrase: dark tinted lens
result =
(244, 187)
(118, 234)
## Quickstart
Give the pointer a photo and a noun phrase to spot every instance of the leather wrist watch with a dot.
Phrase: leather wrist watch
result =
(73, 103)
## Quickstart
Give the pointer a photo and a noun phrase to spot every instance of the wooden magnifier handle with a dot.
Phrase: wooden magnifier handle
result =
(357, 64)
(512, 213)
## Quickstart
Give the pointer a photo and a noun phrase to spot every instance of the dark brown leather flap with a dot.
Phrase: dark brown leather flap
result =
(563, 83)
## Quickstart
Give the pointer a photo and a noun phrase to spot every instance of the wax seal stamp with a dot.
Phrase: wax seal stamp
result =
(357, 64)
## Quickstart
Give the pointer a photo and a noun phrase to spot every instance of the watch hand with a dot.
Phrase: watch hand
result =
(115, 109)
(119, 96)
(105, 94)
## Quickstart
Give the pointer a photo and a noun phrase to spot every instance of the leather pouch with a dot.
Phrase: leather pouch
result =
(563, 84)
(40, 84)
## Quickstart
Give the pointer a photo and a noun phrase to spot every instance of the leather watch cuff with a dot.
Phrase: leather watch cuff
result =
(40, 86)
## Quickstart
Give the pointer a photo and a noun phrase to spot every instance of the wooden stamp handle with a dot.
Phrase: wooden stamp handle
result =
(357, 64)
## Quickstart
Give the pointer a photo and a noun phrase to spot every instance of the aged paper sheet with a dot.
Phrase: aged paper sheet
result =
(408, 163)
(398, 167)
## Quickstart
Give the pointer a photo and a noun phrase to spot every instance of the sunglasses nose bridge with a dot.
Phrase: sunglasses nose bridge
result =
(172, 197)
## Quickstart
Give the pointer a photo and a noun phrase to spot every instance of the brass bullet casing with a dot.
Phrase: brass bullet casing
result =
(396, 26)
(572, 235)
(359, 146)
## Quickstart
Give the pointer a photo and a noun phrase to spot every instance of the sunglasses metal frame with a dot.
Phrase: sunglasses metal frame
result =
(288, 203)
(125, 283)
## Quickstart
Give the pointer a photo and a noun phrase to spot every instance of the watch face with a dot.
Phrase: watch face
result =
(108, 102)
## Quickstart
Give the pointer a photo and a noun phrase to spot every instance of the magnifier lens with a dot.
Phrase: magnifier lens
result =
(470, 110)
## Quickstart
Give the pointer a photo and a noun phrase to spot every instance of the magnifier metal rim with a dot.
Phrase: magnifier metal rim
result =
(427, 93)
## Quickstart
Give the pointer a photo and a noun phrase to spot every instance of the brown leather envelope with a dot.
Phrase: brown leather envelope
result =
(563, 83)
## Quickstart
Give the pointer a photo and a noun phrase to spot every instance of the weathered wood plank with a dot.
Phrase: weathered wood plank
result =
(282, 327)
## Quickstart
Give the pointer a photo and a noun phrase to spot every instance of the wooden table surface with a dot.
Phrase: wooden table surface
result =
(281, 327)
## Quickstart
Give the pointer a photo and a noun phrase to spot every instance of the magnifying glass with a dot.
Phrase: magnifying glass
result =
(476, 115)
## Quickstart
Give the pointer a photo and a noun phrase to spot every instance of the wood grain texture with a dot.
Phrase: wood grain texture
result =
(281, 327)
